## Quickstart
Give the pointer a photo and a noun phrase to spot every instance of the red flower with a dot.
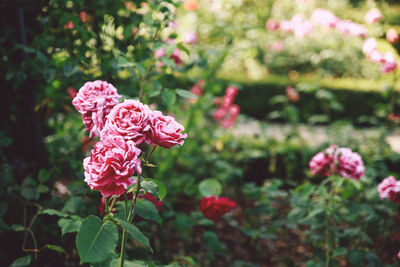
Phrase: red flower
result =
(213, 208)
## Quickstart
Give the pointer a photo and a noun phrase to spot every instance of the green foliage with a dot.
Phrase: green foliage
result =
(96, 240)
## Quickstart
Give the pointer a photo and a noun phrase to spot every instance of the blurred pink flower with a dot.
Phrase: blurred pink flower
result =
(349, 164)
(82, 16)
(389, 63)
(390, 188)
(373, 16)
(69, 25)
(292, 94)
(172, 24)
(302, 29)
(375, 56)
(351, 28)
(324, 17)
(276, 46)
(190, 38)
(271, 25)
(369, 45)
(392, 36)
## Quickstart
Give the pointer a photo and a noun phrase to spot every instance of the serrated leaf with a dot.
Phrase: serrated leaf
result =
(96, 240)
(150, 187)
(147, 210)
(210, 187)
(135, 233)
(168, 96)
(185, 93)
(69, 225)
(162, 190)
(21, 262)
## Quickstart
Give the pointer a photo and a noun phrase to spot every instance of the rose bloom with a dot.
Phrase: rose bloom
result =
(111, 164)
(172, 24)
(324, 17)
(82, 16)
(129, 120)
(303, 29)
(373, 16)
(276, 46)
(392, 36)
(375, 56)
(164, 131)
(321, 164)
(271, 25)
(233, 113)
(94, 101)
(349, 164)
(191, 5)
(69, 25)
(190, 38)
(390, 188)
(369, 45)
(72, 92)
(349, 27)
(389, 63)
(292, 94)
(213, 208)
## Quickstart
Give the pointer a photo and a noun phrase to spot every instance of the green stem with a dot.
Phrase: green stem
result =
(106, 205)
(129, 217)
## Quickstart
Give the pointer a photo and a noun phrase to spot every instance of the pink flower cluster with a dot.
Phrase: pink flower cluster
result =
(302, 27)
(227, 112)
(390, 188)
(387, 60)
(121, 127)
(340, 160)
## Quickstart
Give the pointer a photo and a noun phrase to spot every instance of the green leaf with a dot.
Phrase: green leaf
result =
(69, 225)
(169, 49)
(183, 48)
(56, 248)
(96, 240)
(339, 251)
(355, 257)
(210, 187)
(72, 205)
(124, 63)
(21, 262)
(147, 210)
(162, 190)
(185, 93)
(150, 187)
(53, 212)
(168, 96)
(42, 188)
(135, 233)
(17, 227)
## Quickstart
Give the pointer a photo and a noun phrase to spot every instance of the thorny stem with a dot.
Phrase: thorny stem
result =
(129, 217)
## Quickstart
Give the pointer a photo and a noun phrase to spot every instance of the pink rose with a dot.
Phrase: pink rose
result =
(302, 29)
(392, 36)
(111, 164)
(69, 25)
(172, 24)
(349, 164)
(373, 16)
(94, 101)
(389, 63)
(164, 131)
(369, 45)
(190, 38)
(321, 164)
(292, 94)
(390, 188)
(271, 25)
(82, 16)
(324, 17)
(349, 27)
(375, 56)
(129, 120)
